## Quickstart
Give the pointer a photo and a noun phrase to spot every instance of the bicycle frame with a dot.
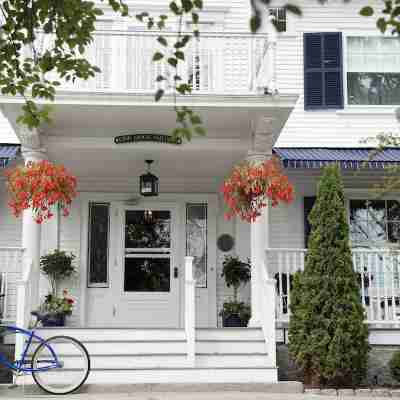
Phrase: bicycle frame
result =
(19, 365)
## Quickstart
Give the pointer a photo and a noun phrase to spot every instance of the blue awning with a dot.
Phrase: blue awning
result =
(348, 158)
(7, 153)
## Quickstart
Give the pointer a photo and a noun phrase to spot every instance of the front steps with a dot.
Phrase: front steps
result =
(151, 356)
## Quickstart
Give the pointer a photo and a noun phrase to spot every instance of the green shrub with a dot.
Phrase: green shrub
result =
(328, 338)
(394, 365)
(57, 266)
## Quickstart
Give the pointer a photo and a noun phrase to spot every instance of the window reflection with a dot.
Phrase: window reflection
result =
(374, 221)
(148, 230)
(196, 240)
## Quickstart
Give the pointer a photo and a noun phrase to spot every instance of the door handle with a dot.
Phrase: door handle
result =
(175, 272)
(114, 311)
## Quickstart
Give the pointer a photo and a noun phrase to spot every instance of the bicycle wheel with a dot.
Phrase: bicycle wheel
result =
(74, 362)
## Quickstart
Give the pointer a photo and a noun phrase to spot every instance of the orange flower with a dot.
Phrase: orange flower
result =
(250, 185)
(40, 186)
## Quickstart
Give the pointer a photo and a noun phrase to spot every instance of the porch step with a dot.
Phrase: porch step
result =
(179, 375)
(159, 355)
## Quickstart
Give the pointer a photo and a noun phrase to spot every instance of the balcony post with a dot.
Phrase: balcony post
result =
(31, 230)
(190, 312)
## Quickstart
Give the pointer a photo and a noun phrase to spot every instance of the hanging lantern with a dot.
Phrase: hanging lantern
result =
(148, 182)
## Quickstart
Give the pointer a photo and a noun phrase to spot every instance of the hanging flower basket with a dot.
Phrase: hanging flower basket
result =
(42, 186)
(250, 185)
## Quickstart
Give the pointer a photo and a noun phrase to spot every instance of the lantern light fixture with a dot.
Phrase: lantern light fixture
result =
(148, 182)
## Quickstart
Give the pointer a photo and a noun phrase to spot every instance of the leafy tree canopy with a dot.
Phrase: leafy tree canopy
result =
(34, 73)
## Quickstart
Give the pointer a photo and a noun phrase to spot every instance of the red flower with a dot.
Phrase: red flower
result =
(250, 185)
(40, 186)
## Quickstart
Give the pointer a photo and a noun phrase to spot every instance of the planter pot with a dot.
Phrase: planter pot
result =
(234, 321)
(53, 320)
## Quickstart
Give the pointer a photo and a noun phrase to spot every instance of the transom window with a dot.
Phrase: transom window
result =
(373, 72)
(374, 222)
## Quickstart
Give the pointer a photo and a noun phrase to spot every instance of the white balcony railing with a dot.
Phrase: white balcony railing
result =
(378, 273)
(216, 63)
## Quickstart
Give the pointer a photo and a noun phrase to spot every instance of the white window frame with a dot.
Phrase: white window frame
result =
(363, 107)
(366, 195)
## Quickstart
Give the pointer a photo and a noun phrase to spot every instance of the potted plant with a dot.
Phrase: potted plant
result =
(57, 266)
(236, 273)
(250, 186)
(43, 186)
(54, 309)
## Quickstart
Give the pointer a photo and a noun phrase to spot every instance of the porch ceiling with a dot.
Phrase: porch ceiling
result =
(82, 137)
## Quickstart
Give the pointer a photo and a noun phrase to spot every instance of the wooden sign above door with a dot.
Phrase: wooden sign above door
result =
(147, 137)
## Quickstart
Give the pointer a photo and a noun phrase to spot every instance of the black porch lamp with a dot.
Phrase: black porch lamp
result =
(148, 182)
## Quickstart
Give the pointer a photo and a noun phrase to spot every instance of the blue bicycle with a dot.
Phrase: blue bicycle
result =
(58, 365)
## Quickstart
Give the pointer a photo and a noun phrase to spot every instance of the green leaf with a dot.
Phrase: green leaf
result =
(180, 55)
(381, 24)
(159, 94)
(200, 130)
(195, 18)
(158, 56)
(187, 5)
(293, 9)
(367, 11)
(255, 23)
(198, 4)
(174, 8)
(195, 119)
(172, 61)
(162, 40)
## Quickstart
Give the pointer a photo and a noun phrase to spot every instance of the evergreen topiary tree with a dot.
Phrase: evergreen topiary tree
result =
(328, 338)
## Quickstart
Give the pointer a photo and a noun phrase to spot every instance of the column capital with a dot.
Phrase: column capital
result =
(28, 137)
(33, 154)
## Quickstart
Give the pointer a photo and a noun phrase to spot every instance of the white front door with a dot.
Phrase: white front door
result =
(145, 278)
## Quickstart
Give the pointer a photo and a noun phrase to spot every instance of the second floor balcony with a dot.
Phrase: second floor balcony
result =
(215, 63)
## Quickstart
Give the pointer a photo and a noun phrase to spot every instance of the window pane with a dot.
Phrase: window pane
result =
(394, 232)
(196, 240)
(373, 88)
(393, 210)
(147, 274)
(98, 245)
(147, 229)
(373, 70)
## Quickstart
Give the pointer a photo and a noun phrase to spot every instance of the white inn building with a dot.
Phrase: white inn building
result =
(310, 94)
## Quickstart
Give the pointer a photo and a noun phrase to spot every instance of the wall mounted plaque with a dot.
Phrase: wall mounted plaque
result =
(225, 242)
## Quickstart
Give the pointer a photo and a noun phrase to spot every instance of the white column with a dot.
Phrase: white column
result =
(31, 231)
(259, 241)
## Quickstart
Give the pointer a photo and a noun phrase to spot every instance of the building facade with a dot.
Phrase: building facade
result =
(311, 93)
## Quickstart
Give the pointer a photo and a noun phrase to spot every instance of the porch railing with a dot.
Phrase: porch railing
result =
(11, 259)
(378, 273)
(216, 63)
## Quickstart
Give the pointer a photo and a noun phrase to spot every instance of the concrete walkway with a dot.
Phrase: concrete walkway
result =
(118, 394)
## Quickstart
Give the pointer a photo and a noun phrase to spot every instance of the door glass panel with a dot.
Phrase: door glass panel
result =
(147, 274)
(147, 229)
(147, 251)
(99, 214)
(196, 240)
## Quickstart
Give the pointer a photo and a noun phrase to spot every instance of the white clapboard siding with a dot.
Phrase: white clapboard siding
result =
(326, 128)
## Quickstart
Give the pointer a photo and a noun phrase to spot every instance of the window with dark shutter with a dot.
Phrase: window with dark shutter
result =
(308, 205)
(323, 71)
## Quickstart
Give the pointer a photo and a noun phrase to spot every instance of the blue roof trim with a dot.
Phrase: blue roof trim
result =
(8, 152)
(350, 158)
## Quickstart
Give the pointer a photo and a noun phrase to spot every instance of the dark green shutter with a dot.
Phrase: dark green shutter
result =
(323, 71)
